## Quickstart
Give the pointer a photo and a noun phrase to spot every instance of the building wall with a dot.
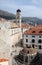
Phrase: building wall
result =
(16, 38)
(29, 37)
(4, 63)
(4, 43)
(9, 37)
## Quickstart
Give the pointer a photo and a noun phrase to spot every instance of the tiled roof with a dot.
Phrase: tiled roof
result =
(24, 25)
(3, 60)
(34, 30)
(38, 27)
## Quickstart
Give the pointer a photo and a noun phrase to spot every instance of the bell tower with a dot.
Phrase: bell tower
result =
(18, 17)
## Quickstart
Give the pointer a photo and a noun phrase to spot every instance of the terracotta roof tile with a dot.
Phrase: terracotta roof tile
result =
(34, 30)
(3, 60)
(24, 25)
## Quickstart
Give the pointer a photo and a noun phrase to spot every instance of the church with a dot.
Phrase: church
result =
(10, 35)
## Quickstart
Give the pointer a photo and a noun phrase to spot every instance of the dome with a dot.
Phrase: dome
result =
(28, 51)
(18, 10)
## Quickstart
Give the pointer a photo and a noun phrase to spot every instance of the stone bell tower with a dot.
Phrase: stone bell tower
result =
(18, 17)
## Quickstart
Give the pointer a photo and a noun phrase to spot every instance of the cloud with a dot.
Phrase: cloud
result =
(37, 2)
(32, 8)
(32, 11)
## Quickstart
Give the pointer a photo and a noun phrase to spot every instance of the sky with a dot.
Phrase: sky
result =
(29, 8)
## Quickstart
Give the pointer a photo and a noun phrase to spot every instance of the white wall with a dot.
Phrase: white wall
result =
(4, 63)
(30, 39)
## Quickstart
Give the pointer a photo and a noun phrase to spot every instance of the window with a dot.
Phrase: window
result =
(27, 46)
(33, 36)
(39, 36)
(39, 41)
(33, 41)
(40, 31)
(12, 46)
(33, 31)
(39, 46)
(26, 35)
(26, 40)
(28, 52)
(33, 45)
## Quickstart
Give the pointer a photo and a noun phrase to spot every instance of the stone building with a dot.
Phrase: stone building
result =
(26, 55)
(10, 35)
(33, 37)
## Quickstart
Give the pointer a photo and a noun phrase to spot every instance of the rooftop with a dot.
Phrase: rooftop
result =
(24, 25)
(3, 60)
(34, 30)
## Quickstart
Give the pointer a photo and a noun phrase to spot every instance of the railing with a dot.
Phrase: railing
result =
(19, 61)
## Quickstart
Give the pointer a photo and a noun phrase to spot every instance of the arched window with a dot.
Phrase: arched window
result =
(33, 31)
(40, 31)
(33, 41)
(39, 46)
(28, 52)
(33, 45)
(26, 40)
(39, 41)
(39, 36)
